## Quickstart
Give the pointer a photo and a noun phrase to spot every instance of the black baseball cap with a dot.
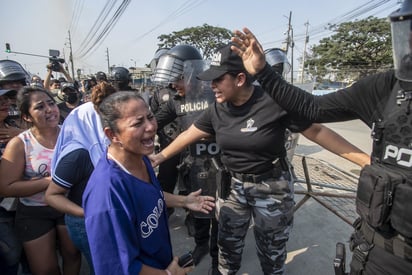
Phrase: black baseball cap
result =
(223, 61)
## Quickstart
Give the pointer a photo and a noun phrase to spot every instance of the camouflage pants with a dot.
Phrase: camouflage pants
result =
(271, 205)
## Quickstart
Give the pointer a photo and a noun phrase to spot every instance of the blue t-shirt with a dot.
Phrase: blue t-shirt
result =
(126, 220)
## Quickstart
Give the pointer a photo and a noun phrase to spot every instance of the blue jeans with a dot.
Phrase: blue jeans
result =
(77, 232)
(10, 246)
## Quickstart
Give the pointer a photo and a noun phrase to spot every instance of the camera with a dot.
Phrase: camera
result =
(54, 60)
(186, 260)
(54, 63)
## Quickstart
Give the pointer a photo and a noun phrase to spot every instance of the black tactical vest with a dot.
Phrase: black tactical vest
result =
(384, 196)
(393, 131)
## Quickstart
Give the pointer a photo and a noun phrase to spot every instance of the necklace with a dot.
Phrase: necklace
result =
(118, 163)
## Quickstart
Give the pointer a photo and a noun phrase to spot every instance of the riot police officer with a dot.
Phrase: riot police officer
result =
(167, 173)
(382, 240)
(178, 67)
(120, 78)
(101, 76)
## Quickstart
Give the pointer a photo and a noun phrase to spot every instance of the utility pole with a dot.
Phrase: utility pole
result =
(304, 51)
(108, 62)
(288, 38)
(71, 55)
(290, 44)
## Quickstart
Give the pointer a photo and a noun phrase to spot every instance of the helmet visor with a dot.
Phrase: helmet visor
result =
(402, 45)
(275, 57)
(169, 69)
(12, 71)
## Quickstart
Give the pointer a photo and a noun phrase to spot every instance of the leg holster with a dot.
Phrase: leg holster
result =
(360, 249)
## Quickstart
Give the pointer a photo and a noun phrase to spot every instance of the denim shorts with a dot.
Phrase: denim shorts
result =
(77, 232)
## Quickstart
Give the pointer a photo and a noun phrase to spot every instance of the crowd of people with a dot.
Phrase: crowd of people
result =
(78, 160)
(52, 138)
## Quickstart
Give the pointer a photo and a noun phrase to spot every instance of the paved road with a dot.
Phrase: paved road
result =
(316, 231)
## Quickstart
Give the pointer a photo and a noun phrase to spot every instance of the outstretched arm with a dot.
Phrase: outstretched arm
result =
(194, 201)
(336, 144)
(181, 142)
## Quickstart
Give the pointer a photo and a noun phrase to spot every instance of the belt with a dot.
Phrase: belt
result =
(274, 172)
(395, 245)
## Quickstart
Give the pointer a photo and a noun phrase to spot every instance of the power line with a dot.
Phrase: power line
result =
(184, 8)
(327, 28)
(107, 8)
(78, 8)
(109, 26)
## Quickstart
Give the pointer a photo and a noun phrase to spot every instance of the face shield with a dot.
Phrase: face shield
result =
(156, 57)
(11, 71)
(198, 94)
(277, 58)
(169, 69)
(401, 28)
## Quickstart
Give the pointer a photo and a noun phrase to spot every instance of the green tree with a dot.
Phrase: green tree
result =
(205, 38)
(356, 49)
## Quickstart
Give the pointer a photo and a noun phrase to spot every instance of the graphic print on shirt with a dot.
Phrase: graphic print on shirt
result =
(249, 126)
(152, 221)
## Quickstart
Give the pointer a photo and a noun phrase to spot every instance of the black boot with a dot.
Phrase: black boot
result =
(199, 252)
(214, 271)
(215, 264)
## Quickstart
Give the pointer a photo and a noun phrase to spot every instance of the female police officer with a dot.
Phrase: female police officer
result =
(249, 128)
(383, 235)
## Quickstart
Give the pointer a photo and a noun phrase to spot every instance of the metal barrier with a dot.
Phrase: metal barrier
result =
(348, 214)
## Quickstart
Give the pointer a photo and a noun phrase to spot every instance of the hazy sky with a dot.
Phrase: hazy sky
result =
(37, 26)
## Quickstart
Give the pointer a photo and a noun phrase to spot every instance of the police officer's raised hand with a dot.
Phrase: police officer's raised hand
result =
(194, 201)
(249, 49)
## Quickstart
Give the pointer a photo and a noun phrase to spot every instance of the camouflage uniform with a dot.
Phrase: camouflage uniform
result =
(272, 210)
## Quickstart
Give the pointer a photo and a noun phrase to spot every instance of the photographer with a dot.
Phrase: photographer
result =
(55, 66)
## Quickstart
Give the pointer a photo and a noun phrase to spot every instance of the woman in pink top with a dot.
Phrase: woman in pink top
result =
(25, 173)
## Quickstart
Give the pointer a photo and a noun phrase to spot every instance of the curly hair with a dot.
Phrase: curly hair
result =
(100, 92)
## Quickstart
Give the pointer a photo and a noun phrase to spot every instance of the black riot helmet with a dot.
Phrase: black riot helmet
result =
(120, 76)
(101, 76)
(170, 67)
(401, 28)
(278, 60)
(12, 71)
